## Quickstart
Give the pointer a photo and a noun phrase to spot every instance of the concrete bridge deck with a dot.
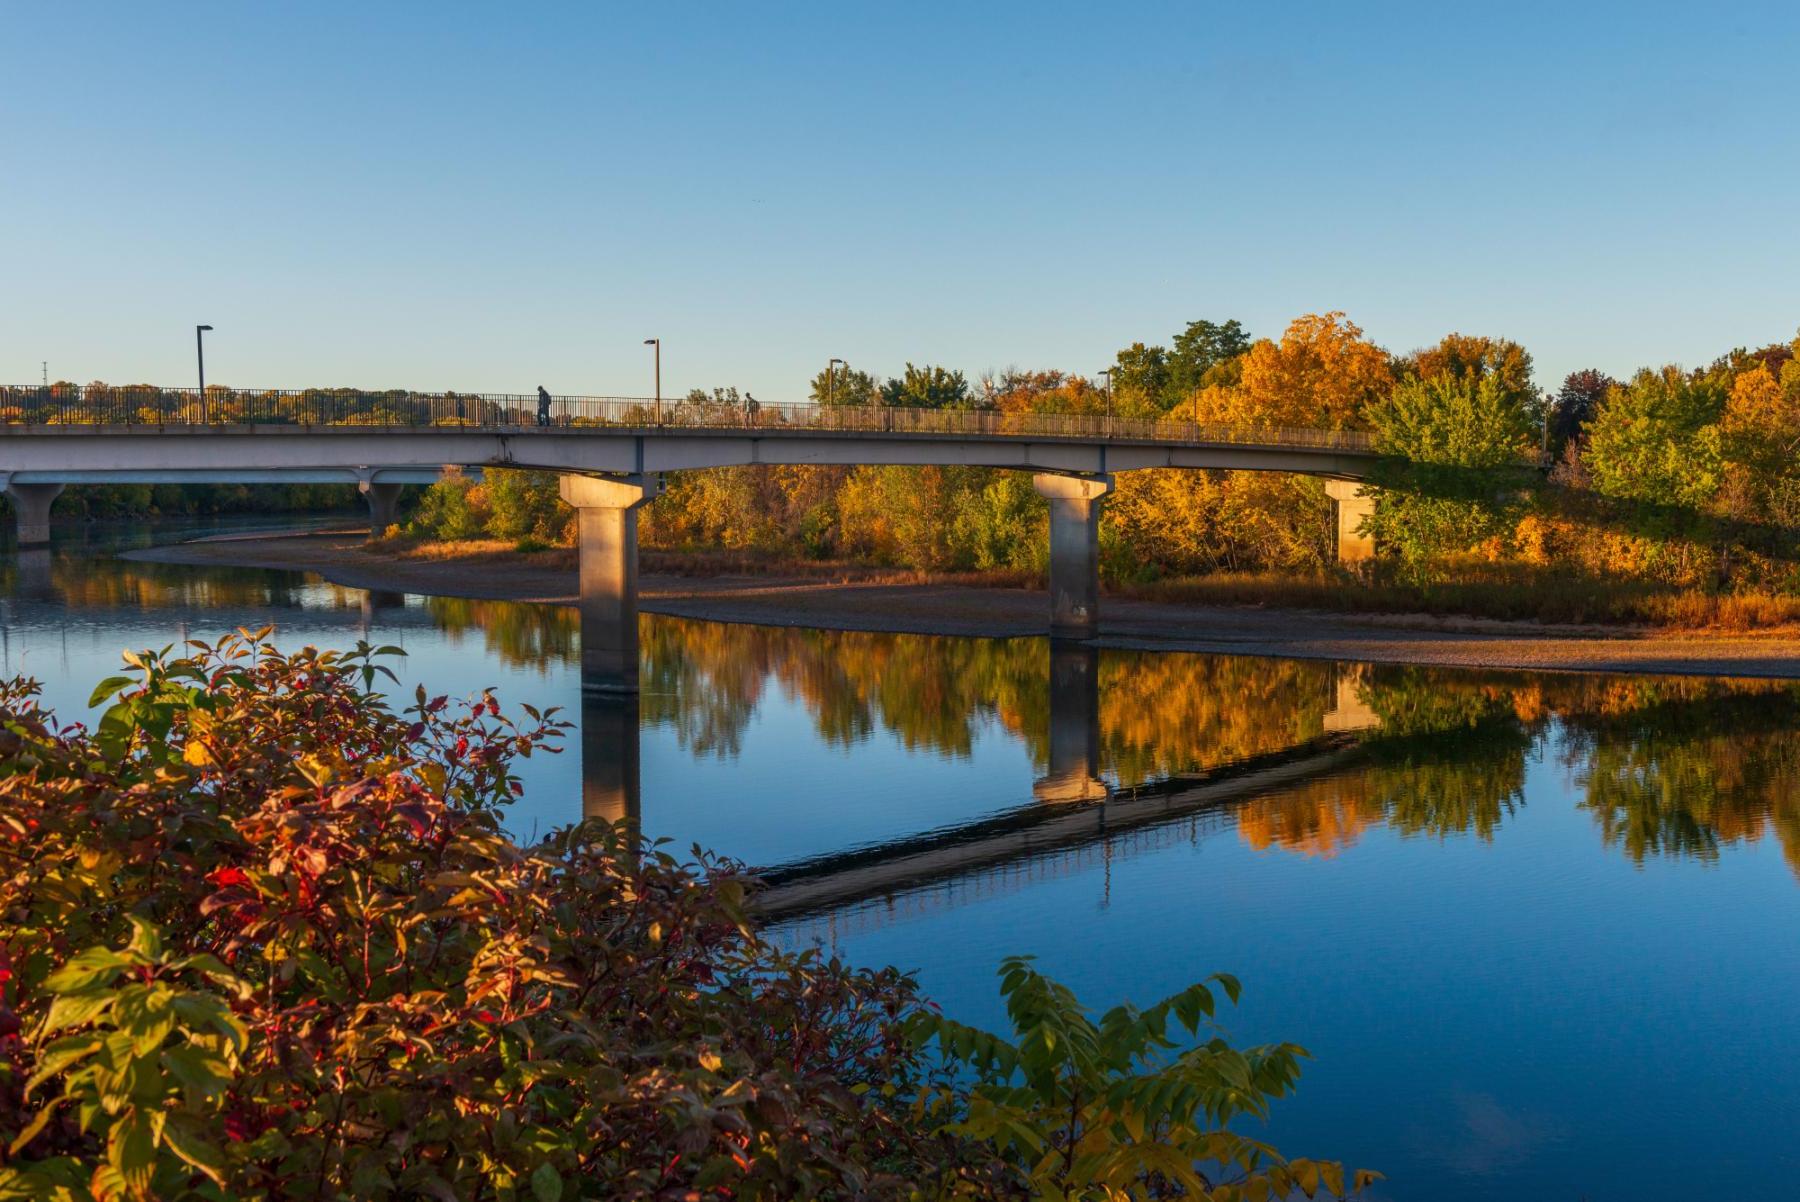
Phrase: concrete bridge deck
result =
(611, 452)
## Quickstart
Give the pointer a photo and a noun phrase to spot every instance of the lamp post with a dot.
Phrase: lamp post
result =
(657, 343)
(200, 354)
(1107, 373)
(831, 380)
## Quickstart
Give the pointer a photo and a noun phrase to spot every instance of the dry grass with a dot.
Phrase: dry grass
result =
(1503, 592)
(836, 571)
(484, 550)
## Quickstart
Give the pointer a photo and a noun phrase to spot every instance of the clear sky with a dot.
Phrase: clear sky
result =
(493, 196)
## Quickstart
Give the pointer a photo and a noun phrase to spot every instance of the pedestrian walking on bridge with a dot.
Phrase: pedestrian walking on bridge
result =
(543, 406)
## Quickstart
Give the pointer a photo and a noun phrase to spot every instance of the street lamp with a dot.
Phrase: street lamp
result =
(831, 380)
(200, 354)
(657, 343)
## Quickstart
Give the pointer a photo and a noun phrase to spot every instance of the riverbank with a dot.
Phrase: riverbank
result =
(897, 603)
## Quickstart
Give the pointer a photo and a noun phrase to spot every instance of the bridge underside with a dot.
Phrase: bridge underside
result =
(610, 471)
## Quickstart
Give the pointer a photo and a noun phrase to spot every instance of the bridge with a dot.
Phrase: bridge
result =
(611, 453)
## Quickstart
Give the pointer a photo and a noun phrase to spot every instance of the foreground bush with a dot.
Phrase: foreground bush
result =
(262, 937)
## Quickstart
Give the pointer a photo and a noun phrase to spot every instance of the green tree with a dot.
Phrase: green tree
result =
(843, 385)
(1198, 350)
(1455, 442)
(1113, 1107)
(525, 505)
(926, 387)
(1140, 379)
(1658, 438)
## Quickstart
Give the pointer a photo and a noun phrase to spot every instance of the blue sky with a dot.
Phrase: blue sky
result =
(493, 196)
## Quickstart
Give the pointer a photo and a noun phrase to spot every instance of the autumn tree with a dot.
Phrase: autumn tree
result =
(1477, 357)
(1017, 391)
(1760, 432)
(1322, 372)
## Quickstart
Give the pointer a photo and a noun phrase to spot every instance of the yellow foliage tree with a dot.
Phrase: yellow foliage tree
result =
(1323, 372)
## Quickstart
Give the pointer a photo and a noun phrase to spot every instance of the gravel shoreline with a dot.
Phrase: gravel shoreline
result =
(988, 612)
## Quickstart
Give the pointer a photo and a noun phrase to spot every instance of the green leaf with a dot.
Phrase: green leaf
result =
(192, 1147)
(546, 1183)
(131, 1148)
(95, 966)
(36, 1125)
(60, 1055)
(107, 687)
(71, 1010)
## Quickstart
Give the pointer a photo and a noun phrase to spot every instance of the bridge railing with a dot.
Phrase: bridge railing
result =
(163, 408)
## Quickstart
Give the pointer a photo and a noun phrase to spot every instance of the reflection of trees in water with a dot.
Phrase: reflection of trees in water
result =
(1694, 765)
(706, 679)
(518, 633)
(1447, 758)
(1164, 713)
(84, 581)
(1161, 713)
(1670, 765)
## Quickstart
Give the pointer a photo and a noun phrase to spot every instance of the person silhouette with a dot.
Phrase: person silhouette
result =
(752, 406)
(543, 406)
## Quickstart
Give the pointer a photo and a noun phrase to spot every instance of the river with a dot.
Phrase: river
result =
(1538, 931)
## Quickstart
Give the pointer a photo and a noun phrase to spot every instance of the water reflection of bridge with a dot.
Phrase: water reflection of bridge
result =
(1080, 807)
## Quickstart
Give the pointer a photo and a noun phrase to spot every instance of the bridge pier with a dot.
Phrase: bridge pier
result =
(31, 510)
(384, 505)
(606, 546)
(1074, 551)
(1353, 502)
(1074, 726)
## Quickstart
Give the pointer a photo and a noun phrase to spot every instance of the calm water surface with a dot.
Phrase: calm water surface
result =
(1539, 932)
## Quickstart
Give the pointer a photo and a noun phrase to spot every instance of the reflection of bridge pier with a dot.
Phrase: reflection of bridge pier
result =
(1074, 726)
(31, 574)
(1349, 709)
(375, 601)
(609, 757)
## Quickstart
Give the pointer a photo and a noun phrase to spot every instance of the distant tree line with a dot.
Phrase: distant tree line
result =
(1682, 476)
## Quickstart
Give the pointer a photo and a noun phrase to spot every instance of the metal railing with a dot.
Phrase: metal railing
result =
(161, 408)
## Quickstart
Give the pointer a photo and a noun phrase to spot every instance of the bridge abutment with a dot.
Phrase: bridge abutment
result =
(1074, 551)
(31, 511)
(606, 546)
(1353, 502)
(384, 505)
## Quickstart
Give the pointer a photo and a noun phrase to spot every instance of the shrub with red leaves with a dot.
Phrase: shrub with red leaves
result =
(263, 937)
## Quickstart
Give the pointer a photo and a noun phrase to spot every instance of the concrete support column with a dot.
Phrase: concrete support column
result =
(1074, 726)
(384, 505)
(31, 510)
(1353, 501)
(606, 544)
(1074, 552)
